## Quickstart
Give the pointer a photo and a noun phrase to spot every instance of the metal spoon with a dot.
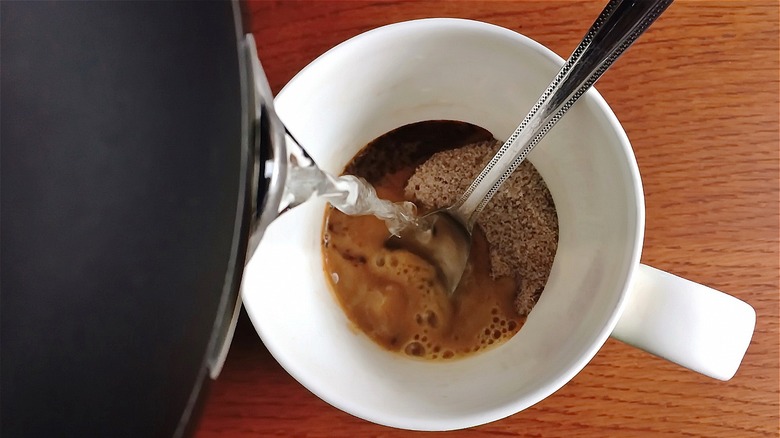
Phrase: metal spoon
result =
(444, 238)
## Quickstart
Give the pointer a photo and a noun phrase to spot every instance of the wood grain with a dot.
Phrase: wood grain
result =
(698, 97)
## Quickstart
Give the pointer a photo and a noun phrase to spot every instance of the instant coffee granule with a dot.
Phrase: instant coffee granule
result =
(520, 222)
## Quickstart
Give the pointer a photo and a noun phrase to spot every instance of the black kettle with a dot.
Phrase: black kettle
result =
(141, 162)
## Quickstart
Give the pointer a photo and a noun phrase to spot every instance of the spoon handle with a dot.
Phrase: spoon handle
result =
(617, 27)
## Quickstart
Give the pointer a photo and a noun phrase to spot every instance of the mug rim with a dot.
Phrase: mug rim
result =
(638, 197)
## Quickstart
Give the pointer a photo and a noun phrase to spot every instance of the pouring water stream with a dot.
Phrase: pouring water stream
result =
(349, 194)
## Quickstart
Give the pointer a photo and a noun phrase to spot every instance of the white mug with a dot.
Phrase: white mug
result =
(489, 76)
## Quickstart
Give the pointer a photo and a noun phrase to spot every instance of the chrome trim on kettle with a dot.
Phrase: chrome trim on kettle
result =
(266, 122)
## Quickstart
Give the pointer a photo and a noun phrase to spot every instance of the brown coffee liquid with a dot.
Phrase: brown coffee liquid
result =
(394, 296)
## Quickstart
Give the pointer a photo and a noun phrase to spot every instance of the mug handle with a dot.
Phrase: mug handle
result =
(687, 323)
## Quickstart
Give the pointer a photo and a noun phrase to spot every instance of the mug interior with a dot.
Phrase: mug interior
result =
(485, 75)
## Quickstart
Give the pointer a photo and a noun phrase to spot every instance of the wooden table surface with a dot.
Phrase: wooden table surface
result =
(698, 97)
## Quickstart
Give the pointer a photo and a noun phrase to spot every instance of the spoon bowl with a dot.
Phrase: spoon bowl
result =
(441, 239)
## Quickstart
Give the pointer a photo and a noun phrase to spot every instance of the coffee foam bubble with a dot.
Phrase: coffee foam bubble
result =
(405, 307)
